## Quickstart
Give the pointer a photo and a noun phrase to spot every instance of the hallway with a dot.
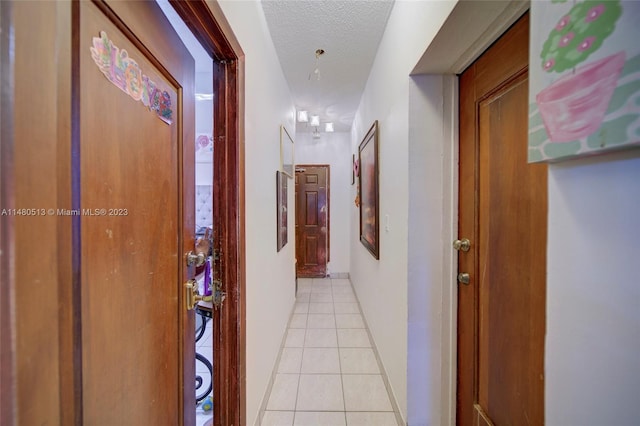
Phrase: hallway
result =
(328, 371)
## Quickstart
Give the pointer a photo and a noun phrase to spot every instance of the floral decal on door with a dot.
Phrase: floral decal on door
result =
(125, 73)
(584, 78)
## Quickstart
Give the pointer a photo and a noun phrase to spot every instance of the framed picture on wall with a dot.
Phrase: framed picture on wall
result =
(584, 78)
(281, 205)
(286, 153)
(369, 192)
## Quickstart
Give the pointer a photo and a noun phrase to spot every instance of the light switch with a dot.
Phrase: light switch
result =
(386, 222)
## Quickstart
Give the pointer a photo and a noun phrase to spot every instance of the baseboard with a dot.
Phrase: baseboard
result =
(383, 371)
(267, 393)
(344, 275)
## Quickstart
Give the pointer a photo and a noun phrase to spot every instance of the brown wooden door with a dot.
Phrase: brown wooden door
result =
(137, 338)
(503, 211)
(312, 220)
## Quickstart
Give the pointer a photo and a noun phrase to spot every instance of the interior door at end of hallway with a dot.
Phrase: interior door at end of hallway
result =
(312, 220)
(503, 208)
(137, 338)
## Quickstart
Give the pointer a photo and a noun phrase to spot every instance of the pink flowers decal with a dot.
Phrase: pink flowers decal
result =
(579, 33)
(586, 44)
(566, 39)
(549, 64)
(594, 13)
(563, 23)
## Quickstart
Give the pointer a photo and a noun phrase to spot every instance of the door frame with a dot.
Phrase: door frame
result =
(456, 45)
(328, 167)
(209, 25)
(7, 278)
(482, 86)
(55, 306)
(504, 23)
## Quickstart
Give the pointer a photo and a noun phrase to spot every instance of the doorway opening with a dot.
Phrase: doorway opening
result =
(312, 220)
(502, 245)
(204, 221)
(219, 187)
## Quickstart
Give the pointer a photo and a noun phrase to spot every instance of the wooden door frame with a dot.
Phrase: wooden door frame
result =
(60, 398)
(7, 270)
(467, 336)
(328, 167)
(209, 25)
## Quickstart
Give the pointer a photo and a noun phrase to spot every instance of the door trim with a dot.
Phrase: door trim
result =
(474, 49)
(468, 348)
(7, 270)
(209, 25)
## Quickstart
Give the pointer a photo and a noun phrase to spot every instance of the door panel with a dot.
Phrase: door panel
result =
(312, 220)
(135, 337)
(503, 208)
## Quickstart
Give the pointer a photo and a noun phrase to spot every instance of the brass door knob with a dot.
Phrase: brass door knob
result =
(462, 245)
(197, 259)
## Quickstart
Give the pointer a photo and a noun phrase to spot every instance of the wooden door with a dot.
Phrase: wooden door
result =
(135, 178)
(312, 220)
(47, 295)
(503, 211)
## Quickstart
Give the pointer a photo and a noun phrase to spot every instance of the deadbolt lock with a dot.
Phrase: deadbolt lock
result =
(462, 245)
(193, 296)
(464, 278)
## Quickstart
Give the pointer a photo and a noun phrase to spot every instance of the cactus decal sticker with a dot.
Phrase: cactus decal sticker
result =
(584, 78)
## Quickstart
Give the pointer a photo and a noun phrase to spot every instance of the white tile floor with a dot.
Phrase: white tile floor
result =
(204, 347)
(328, 374)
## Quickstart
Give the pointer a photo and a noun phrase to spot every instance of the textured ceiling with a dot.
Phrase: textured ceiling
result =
(348, 30)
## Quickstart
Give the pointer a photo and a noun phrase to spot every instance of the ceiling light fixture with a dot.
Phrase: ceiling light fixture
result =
(316, 71)
(303, 116)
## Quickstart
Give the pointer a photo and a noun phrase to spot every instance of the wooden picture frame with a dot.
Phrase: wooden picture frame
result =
(353, 169)
(369, 191)
(287, 165)
(281, 205)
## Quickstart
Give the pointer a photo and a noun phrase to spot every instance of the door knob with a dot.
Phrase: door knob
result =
(196, 259)
(464, 278)
(462, 245)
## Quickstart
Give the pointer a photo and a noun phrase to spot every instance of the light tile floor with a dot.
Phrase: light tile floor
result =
(204, 347)
(328, 374)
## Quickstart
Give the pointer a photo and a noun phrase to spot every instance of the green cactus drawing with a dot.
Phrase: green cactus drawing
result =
(579, 33)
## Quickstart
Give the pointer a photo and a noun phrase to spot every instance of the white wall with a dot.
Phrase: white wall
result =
(270, 279)
(593, 292)
(333, 149)
(593, 298)
(432, 204)
(382, 285)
